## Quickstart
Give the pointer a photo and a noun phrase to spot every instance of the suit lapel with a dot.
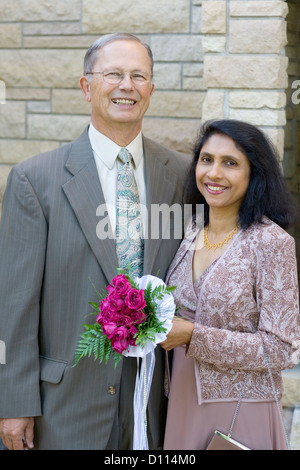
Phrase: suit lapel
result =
(161, 184)
(84, 193)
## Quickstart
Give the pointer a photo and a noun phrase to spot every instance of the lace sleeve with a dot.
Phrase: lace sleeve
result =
(277, 301)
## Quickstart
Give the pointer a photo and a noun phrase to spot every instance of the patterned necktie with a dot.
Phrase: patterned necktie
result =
(129, 228)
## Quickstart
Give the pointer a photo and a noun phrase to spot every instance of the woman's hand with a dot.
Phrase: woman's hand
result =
(180, 334)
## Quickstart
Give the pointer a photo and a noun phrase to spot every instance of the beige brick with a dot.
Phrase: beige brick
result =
(10, 35)
(244, 33)
(177, 48)
(276, 135)
(27, 94)
(245, 72)
(214, 17)
(177, 134)
(56, 127)
(213, 44)
(14, 151)
(257, 99)
(167, 76)
(259, 117)
(193, 83)
(196, 20)
(57, 28)
(176, 104)
(12, 119)
(59, 42)
(291, 381)
(41, 68)
(258, 8)
(193, 70)
(213, 105)
(2, 92)
(140, 16)
(36, 10)
(38, 106)
(69, 102)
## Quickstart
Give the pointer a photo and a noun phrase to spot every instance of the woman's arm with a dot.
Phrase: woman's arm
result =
(279, 321)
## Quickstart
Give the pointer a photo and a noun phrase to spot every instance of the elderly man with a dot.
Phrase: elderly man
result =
(50, 249)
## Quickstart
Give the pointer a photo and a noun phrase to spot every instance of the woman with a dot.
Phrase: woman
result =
(237, 294)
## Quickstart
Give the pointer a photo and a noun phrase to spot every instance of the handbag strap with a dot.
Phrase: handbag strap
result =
(237, 406)
(274, 393)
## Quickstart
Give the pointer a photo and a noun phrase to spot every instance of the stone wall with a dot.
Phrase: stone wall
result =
(42, 45)
(212, 59)
(245, 67)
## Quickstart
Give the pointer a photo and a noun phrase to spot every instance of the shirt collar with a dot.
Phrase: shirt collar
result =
(107, 150)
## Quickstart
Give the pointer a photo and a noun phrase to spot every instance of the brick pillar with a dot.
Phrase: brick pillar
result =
(245, 67)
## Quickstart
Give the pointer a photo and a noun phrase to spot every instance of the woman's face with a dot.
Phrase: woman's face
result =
(222, 173)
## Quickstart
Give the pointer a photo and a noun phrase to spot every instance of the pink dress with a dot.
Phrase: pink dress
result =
(190, 426)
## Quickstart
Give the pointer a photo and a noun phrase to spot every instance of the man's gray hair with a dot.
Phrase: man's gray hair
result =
(91, 54)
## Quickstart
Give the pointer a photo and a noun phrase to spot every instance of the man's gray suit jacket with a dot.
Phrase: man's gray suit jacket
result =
(50, 255)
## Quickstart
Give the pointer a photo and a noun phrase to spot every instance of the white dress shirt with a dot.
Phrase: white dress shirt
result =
(105, 153)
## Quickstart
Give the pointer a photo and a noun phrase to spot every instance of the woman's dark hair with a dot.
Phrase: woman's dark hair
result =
(267, 194)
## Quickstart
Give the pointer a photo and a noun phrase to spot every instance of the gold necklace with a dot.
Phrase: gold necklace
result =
(214, 246)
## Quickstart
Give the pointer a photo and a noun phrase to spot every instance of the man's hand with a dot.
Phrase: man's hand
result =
(17, 433)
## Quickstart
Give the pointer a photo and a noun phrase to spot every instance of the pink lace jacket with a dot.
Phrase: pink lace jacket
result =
(247, 302)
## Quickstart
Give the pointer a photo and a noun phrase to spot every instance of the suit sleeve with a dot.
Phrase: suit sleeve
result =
(278, 330)
(23, 236)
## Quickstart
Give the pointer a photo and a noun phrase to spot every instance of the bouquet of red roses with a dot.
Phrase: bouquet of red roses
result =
(130, 318)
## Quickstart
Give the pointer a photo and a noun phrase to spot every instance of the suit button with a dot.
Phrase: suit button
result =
(111, 390)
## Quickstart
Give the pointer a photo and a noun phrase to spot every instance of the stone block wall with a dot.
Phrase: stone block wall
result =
(245, 65)
(42, 46)
(212, 59)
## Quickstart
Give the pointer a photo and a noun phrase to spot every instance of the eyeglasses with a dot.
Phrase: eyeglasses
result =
(138, 78)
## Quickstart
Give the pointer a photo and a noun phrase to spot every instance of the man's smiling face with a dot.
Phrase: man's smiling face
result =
(125, 103)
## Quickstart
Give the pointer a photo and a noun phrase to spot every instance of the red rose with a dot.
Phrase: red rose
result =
(116, 304)
(119, 286)
(135, 299)
(109, 329)
(108, 312)
(119, 341)
(132, 330)
(138, 316)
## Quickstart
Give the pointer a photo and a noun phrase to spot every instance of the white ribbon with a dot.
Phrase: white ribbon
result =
(140, 400)
(145, 370)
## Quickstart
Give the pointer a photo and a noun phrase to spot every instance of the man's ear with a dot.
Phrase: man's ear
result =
(85, 87)
(152, 89)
